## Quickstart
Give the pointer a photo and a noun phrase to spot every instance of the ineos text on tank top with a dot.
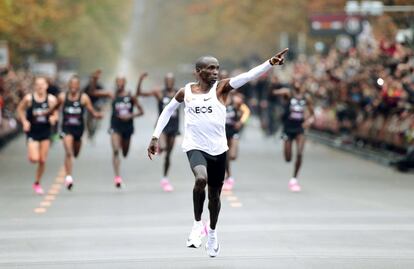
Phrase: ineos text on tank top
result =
(204, 122)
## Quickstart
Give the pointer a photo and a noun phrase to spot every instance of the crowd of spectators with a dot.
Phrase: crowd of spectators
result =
(13, 86)
(362, 96)
(365, 95)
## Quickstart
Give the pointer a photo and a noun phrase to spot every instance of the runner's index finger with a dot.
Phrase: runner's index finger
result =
(282, 52)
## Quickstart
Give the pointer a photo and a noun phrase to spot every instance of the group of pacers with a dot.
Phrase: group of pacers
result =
(214, 115)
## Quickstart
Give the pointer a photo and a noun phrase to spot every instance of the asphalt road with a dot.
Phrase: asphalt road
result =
(352, 213)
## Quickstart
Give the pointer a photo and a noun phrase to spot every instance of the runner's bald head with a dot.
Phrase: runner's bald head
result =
(204, 61)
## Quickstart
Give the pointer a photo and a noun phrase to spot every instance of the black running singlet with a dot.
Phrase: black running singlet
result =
(232, 115)
(122, 106)
(39, 121)
(72, 112)
(294, 115)
(73, 119)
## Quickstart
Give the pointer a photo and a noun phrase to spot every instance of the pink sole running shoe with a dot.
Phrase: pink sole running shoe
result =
(166, 185)
(295, 187)
(118, 182)
(228, 184)
(38, 189)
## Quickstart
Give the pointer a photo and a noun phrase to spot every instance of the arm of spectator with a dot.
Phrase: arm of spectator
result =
(21, 111)
(86, 101)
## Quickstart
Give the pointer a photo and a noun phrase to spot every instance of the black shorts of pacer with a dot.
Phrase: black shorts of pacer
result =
(39, 135)
(76, 133)
(216, 165)
(291, 134)
(124, 133)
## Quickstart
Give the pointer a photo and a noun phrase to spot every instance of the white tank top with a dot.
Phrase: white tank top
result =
(204, 122)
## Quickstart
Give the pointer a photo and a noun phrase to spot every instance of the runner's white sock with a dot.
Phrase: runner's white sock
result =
(293, 180)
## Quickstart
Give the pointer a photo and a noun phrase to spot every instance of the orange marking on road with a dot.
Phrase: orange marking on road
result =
(56, 186)
(50, 197)
(40, 210)
(62, 172)
(225, 193)
(236, 204)
(45, 203)
(53, 191)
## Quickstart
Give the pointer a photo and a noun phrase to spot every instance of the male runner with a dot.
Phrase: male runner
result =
(37, 117)
(171, 130)
(237, 114)
(95, 91)
(205, 137)
(298, 117)
(122, 124)
(73, 105)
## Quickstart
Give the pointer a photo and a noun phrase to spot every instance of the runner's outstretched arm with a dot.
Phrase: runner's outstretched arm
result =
(88, 104)
(93, 87)
(236, 82)
(155, 92)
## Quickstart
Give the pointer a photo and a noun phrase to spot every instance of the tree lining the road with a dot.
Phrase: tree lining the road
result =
(91, 31)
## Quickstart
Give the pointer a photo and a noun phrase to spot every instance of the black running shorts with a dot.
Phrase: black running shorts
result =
(216, 165)
(76, 132)
(291, 134)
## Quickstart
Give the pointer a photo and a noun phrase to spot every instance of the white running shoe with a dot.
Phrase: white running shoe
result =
(212, 245)
(196, 235)
(69, 182)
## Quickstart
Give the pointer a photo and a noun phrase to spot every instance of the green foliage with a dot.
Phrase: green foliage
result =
(88, 30)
